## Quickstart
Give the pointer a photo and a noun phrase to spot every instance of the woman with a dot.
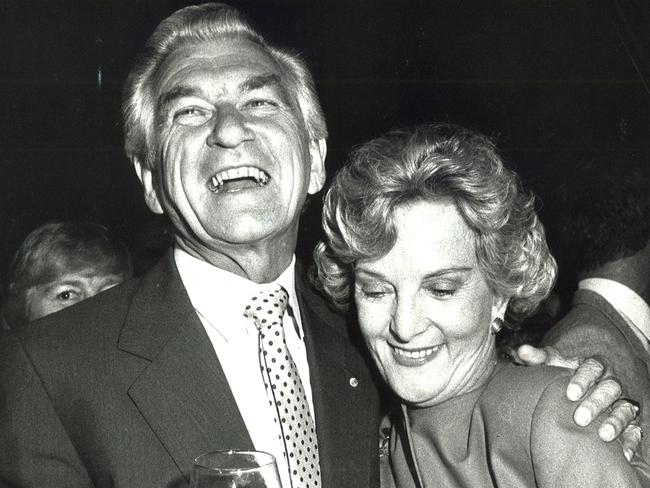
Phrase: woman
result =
(438, 244)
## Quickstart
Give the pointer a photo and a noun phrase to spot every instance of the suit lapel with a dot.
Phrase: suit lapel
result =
(182, 393)
(340, 398)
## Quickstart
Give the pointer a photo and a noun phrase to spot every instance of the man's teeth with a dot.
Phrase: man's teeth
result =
(417, 354)
(238, 173)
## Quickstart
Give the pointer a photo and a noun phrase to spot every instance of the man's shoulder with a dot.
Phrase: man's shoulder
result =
(87, 327)
(101, 309)
(589, 320)
(314, 301)
(106, 310)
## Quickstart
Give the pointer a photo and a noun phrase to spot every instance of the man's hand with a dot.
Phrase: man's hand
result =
(597, 392)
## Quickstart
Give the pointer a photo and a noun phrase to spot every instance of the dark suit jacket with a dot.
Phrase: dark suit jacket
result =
(594, 328)
(125, 390)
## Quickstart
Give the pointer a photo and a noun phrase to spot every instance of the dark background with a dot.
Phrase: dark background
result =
(553, 81)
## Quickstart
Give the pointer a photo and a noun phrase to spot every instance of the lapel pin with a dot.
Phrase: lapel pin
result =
(354, 382)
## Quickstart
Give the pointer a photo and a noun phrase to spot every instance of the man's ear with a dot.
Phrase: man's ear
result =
(146, 178)
(317, 151)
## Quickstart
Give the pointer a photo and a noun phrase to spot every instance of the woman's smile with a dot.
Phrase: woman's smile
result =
(414, 357)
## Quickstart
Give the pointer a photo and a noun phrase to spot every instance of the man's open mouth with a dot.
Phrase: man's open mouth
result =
(236, 179)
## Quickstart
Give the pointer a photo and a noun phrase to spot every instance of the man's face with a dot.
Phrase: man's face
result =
(66, 289)
(235, 162)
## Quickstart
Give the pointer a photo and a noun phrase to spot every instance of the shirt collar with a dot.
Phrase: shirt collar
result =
(627, 302)
(220, 297)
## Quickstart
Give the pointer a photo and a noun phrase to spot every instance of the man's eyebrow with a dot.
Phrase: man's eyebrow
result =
(249, 84)
(177, 92)
(49, 285)
(261, 81)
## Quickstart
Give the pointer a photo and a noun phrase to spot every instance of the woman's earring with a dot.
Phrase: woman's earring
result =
(496, 326)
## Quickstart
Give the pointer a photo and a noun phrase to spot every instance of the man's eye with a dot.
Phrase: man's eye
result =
(192, 116)
(67, 295)
(261, 103)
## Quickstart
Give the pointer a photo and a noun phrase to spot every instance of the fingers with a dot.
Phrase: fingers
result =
(554, 358)
(531, 356)
(587, 374)
(630, 440)
(621, 416)
(602, 396)
(534, 356)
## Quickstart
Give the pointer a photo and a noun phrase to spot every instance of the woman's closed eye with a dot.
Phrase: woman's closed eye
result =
(441, 290)
(369, 292)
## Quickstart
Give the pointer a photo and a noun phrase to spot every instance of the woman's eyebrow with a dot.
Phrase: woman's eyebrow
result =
(451, 270)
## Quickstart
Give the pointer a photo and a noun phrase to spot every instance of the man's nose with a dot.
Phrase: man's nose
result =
(407, 321)
(230, 128)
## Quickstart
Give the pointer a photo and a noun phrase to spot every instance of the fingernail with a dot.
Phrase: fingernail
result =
(628, 454)
(573, 392)
(606, 432)
(582, 416)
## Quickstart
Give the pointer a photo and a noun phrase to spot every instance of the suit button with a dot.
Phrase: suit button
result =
(354, 382)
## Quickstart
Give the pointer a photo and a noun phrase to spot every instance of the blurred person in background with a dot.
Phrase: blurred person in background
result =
(60, 264)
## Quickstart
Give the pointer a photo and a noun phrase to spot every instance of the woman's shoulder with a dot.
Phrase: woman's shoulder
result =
(527, 377)
(511, 400)
(517, 390)
(531, 403)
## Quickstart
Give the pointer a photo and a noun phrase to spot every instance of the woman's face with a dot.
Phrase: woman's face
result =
(425, 309)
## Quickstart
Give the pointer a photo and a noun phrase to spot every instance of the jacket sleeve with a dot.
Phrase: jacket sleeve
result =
(35, 450)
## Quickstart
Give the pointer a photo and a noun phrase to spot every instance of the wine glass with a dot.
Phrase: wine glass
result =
(235, 469)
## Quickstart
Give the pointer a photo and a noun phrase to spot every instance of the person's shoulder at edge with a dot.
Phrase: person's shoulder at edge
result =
(580, 323)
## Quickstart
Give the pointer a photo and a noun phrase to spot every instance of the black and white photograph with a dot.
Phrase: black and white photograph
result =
(305, 244)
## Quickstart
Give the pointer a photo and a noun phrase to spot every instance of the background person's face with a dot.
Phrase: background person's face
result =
(68, 288)
(236, 162)
(425, 309)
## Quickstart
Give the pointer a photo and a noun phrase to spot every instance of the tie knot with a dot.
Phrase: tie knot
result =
(267, 307)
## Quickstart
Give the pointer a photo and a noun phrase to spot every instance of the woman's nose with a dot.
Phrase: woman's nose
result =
(407, 321)
(230, 128)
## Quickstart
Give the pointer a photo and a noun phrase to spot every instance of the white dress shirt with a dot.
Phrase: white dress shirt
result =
(220, 298)
(626, 302)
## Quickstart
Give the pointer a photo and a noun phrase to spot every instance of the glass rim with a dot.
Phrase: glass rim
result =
(267, 460)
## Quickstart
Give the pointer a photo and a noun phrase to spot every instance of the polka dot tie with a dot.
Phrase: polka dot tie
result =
(284, 388)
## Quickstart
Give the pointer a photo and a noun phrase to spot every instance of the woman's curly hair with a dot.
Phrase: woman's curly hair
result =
(431, 163)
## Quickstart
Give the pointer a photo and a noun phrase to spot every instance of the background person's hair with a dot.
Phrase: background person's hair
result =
(603, 210)
(193, 25)
(433, 163)
(52, 249)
